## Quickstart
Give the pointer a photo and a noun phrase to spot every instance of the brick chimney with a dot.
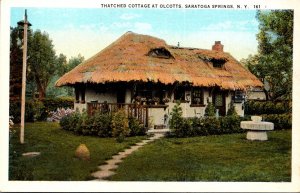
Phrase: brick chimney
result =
(218, 46)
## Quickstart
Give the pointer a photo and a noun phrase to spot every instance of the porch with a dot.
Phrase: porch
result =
(139, 111)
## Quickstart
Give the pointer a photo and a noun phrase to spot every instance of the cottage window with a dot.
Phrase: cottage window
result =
(160, 53)
(179, 94)
(197, 96)
(76, 95)
(83, 95)
(218, 63)
(145, 94)
(79, 93)
(239, 96)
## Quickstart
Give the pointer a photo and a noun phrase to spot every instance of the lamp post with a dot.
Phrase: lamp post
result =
(25, 24)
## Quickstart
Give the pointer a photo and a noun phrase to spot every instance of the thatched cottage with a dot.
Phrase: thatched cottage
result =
(147, 77)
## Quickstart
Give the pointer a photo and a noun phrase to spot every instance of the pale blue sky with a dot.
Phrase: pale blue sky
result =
(87, 31)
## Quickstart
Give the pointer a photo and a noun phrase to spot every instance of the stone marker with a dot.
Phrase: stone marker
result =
(82, 152)
(257, 130)
(31, 154)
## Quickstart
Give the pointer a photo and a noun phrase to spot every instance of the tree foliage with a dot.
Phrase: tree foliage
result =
(120, 125)
(210, 110)
(273, 63)
(42, 62)
(15, 64)
(44, 67)
(63, 66)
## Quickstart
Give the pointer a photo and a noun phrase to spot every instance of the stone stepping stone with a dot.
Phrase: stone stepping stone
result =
(123, 153)
(102, 174)
(113, 161)
(119, 156)
(108, 167)
(112, 164)
(31, 154)
(140, 144)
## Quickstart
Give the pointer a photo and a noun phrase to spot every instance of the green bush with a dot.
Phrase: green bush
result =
(281, 121)
(81, 124)
(266, 107)
(51, 104)
(210, 110)
(198, 128)
(208, 125)
(230, 124)
(102, 125)
(120, 125)
(231, 111)
(136, 128)
(70, 122)
(38, 110)
(204, 126)
(65, 122)
(212, 125)
(180, 127)
(33, 110)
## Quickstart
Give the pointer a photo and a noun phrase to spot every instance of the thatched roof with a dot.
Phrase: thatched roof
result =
(132, 58)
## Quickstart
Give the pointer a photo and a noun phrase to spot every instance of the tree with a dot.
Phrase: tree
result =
(74, 61)
(210, 110)
(42, 62)
(15, 64)
(273, 63)
(176, 120)
(63, 66)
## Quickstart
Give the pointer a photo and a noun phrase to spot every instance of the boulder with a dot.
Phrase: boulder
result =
(82, 152)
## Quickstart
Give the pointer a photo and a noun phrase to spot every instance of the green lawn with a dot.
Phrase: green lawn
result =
(57, 147)
(212, 158)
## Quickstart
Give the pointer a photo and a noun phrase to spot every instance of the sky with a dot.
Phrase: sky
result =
(87, 31)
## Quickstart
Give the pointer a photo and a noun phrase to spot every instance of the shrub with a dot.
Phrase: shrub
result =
(57, 115)
(215, 126)
(230, 124)
(38, 110)
(81, 126)
(179, 126)
(65, 122)
(120, 125)
(210, 110)
(51, 104)
(198, 128)
(69, 122)
(33, 110)
(231, 111)
(136, 128)
(281, 121)
(176, 117)
(266, 107)
(75, 119)
(102, 125)
(212, 125)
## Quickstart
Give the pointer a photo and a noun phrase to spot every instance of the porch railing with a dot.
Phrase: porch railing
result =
(133, 110)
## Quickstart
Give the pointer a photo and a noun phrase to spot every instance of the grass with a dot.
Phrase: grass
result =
(210, 158)
(57, 147)
(213, 158)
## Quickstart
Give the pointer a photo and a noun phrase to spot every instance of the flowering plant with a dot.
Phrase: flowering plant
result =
(156, 99)
(166, 100)
(138, 98)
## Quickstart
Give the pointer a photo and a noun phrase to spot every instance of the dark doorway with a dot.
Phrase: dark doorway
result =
(219, 101)
(121, 96)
